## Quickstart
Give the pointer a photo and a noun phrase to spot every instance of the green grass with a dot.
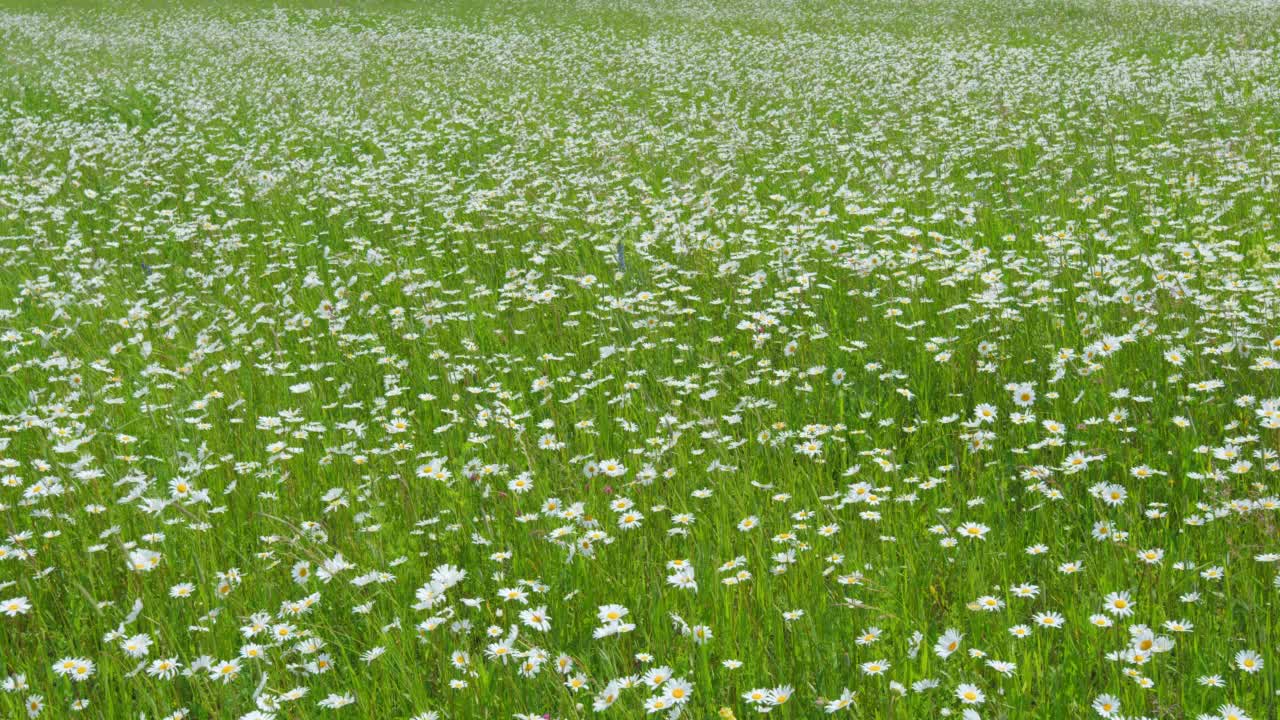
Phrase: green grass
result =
(516, 240)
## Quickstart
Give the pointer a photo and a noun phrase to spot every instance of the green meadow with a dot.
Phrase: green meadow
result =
(547, 360)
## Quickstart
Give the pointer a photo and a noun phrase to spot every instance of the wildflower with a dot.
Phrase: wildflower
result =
(15, 606)
(1249, 661)
(970, 694)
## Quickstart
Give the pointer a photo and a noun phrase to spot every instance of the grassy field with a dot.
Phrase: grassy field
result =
(699, 359)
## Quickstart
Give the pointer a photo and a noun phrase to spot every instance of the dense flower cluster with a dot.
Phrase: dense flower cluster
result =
(676, 358)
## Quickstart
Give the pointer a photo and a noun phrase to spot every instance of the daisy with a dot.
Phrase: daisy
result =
(1048, 619)
(970, 694)
(1118, 604)
(1248, 661)
(335, 701)
(14, 607)
(875, 667)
